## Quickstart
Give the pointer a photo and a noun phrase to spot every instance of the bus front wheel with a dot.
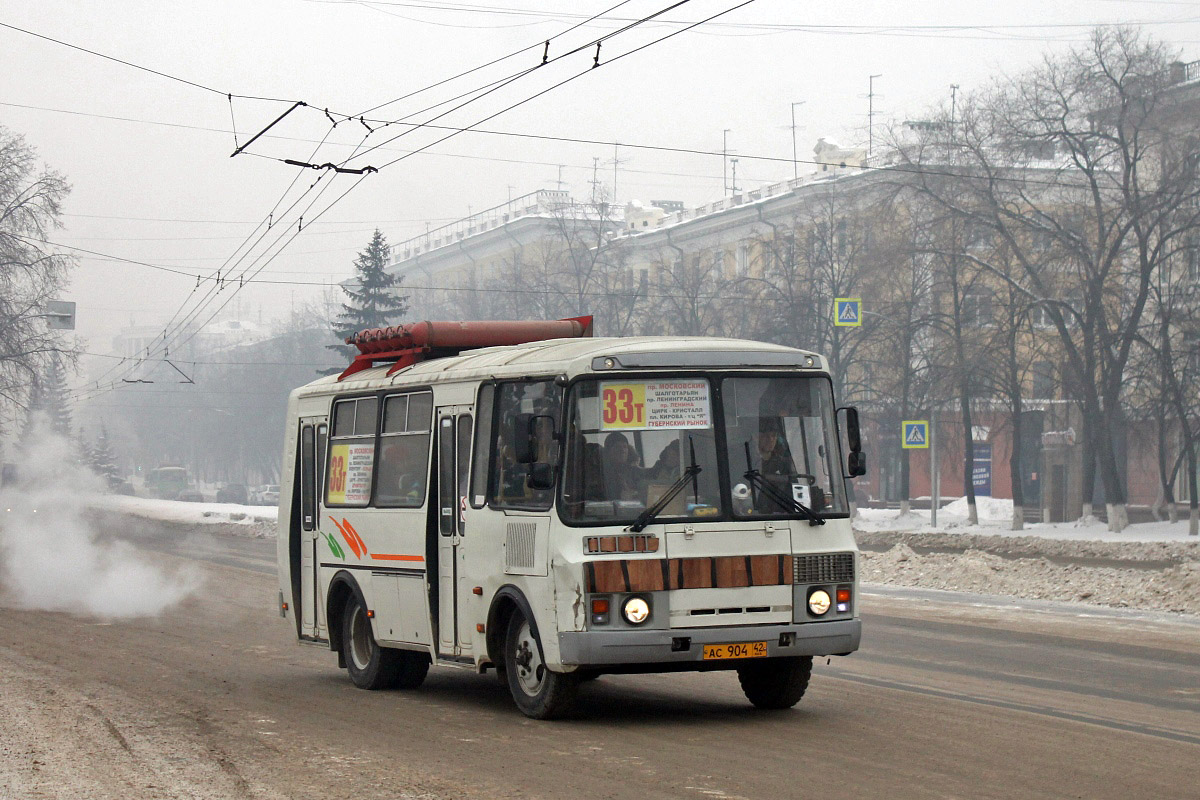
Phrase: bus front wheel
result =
(538, 691)
(374, 667)
(775, 683)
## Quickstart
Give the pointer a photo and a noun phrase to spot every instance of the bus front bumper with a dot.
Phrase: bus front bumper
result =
(596, 648)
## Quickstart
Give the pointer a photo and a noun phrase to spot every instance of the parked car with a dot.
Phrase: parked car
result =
(270, 495)
(233, 493)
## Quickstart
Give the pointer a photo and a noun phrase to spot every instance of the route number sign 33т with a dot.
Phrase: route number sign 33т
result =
(624, 405)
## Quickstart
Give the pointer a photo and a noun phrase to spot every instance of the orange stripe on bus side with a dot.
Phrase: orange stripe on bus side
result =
(361, 544)
(394, 557)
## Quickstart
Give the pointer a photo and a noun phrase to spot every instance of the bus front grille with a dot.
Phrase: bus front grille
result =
(823, 568)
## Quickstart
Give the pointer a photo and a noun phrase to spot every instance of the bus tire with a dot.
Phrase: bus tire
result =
(411, 669)
(370, 666)
(775, 683)
(539, 692)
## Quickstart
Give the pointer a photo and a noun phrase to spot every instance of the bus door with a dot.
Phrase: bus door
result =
(454, 457)
(313, 434)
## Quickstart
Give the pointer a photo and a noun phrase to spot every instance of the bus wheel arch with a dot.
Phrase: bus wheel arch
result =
(507, 601)
(342, 589)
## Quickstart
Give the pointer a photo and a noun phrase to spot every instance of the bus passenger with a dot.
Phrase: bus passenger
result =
(622, 472)
(666, 468)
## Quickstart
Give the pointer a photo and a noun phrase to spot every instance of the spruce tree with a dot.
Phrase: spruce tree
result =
(373, 302)
(49, 398)
(102, 460)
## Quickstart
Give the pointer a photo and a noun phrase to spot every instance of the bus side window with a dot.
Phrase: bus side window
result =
(308, 478)
(508, 482)
(351, 452)
(463, 432)
(483, 441)
(322, 440)
(404, 451)
(446, 505)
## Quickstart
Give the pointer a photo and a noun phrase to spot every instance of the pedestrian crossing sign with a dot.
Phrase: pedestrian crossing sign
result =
(916, 434)
(847, 312)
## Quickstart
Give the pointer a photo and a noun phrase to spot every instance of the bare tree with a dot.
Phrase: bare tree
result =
(1071, 157)
(30, 203)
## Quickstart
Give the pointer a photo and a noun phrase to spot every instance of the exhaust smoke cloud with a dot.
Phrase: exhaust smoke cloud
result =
(51, 554)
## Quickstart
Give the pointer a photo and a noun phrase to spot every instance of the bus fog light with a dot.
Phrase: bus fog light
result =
(636, 610)
(819, 602)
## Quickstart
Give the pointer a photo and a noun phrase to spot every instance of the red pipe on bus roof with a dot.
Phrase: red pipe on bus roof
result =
(416, 341)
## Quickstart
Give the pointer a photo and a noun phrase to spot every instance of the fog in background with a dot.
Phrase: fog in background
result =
(50, 555)
(148, 158)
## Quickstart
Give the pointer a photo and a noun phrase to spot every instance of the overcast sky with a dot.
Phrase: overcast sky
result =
(148, 156)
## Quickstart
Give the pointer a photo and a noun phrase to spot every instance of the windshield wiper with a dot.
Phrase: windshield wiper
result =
(689, 474)
(757, 480)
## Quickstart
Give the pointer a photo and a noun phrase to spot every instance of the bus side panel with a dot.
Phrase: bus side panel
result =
(385, 548)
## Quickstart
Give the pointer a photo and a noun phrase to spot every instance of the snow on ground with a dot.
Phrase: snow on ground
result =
(178, 511)
(1172, 588)
(995, 519)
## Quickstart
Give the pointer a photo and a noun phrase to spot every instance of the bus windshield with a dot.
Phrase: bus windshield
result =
(782, 441)
(630, 440)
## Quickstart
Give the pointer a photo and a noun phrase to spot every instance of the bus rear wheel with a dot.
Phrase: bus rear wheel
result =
(538, 691)
(374, 667)
(775, 683)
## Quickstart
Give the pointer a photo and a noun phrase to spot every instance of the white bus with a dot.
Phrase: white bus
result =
(525, 498)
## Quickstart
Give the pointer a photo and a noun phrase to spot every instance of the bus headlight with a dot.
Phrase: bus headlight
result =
(636, 610)
(819, 602)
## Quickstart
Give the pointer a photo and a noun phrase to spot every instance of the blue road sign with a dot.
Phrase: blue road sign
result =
(847, 312)
(915, 434)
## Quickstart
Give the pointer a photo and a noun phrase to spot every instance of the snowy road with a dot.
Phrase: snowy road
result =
(947, 698)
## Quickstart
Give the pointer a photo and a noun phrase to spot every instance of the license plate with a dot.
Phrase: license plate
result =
(737, 650)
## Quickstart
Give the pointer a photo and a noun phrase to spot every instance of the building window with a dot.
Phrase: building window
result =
(1043, 380)
(743, 260)
(977, 310)
(977, 237)
(1192, 343)
(1040, 316)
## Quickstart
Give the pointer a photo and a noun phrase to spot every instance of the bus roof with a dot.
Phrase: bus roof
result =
(573, 357)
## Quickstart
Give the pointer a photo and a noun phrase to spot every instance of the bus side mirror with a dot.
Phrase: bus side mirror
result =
(856, 462)
(541, 475)
(524, 442)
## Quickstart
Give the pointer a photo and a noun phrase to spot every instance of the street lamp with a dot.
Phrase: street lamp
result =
(795, 159)
(725, 160)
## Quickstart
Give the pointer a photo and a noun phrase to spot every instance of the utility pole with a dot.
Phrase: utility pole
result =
(953, 106)
(871, 114)
(725, 160)
(795, 158)
(616, 162)
(935, 484)
(733, 183)
(595, 177)
(560, 180)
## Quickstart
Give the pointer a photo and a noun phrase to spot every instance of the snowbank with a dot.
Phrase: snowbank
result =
(1174, 588)
(178, 511)
(995, 519)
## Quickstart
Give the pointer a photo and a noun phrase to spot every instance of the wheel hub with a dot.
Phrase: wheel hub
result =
(530, 670)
